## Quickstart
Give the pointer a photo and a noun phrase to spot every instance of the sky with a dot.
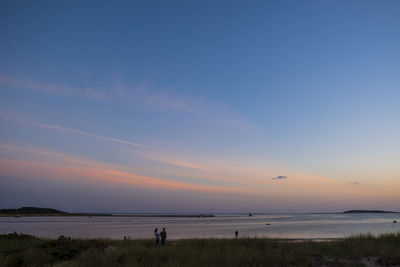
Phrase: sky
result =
(200, 106)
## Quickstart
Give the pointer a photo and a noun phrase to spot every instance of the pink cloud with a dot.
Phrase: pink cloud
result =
(99, 173)
(63, 166)
(179, 163)
(303, 189)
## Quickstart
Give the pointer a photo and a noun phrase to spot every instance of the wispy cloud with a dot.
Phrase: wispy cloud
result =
(280, 177)
(157, 100)
(53, 165)
(142, 96)
(35, 163)
(186, 173)
(74, 131)
(179, 163)
(51, 88)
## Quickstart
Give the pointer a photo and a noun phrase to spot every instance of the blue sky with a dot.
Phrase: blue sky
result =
(218, 94)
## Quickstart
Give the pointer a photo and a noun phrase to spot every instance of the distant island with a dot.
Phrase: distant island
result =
(35, 211)
(368, 211)
(32, 210)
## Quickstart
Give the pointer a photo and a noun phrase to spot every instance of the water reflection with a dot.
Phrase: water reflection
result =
(220, 226)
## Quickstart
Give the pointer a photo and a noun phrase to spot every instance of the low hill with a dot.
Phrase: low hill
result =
(368, 211)
(35, 211)
(32, 210)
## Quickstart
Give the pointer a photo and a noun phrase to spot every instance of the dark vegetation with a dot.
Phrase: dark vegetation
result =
(31, 210)
(365, 250)
(35, 211)
(369, 211)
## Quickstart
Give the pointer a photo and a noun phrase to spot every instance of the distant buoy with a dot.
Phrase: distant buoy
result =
(394, 221)
(250, 214)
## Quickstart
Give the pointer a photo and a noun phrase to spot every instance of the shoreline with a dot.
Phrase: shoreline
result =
(172, 215)
(45, 212)
(172, 239)
(112, 215)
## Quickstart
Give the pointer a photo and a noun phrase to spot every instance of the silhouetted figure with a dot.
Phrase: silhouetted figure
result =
(236, 233)
(157, 235)
(163, 236)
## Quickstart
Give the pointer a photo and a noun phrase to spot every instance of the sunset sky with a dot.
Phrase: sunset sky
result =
(200, 106)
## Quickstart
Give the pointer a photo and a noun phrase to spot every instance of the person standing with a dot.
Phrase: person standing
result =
(163, 236)
(236, 233)
(157, 235)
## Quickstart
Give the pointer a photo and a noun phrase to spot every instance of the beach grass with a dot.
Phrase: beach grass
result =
(363, 250)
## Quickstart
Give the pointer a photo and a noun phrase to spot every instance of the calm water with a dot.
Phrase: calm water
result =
(222, 226)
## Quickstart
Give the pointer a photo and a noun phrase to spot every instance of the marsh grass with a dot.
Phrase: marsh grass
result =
(25, 250)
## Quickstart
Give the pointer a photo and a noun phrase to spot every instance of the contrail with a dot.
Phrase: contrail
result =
(55, 127)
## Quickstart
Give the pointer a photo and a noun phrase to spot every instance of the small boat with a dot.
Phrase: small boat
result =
(268, 224)
(250, 214)
(394, 221)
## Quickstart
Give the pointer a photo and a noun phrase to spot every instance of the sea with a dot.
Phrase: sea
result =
(289, 226)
